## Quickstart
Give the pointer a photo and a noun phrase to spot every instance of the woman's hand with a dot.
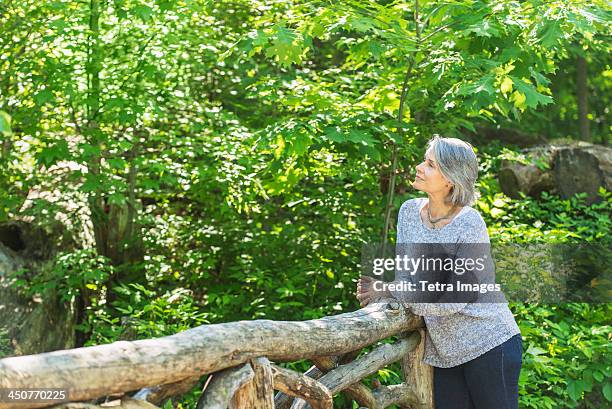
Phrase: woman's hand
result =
(365, 290)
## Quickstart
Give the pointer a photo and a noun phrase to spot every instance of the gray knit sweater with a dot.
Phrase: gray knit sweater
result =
(456, 332)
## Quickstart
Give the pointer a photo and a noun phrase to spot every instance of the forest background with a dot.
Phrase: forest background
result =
(218, 161)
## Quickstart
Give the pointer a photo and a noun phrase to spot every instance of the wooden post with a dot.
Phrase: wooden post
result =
(258, 393)
(218, 394)
(419, 375)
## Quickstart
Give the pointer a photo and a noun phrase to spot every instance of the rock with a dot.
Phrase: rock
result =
(565, 167)
(583, 169)
(515, 177)
(29, 326)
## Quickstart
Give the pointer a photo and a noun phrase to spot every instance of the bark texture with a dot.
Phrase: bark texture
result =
(418, 375)
(258, 393)
(295, 384)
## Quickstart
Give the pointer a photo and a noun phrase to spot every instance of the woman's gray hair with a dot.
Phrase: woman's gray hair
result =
(459, 164)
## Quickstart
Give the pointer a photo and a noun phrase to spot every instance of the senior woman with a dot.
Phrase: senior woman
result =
(475, 348)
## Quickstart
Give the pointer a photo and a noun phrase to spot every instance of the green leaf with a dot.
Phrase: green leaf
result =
(300, 144)
(485, 28)
(510, 53)
(57, 5)
(484, 84)
(607, 391)
(361, 137)
(598, 376)
(43, 97)
(371, 152)
(575, 389)
(334, 134)
(54, 153)
(532, 97)
(148, 183)
(550, 33)
(540, 79)
(165, 5)
(117, 163)
(362, 24)
(535, 351)
(5, 123)
(143, 12)
(92, 183)
(286, 47)
(315, 29)
(250, 45)
(116, 198)
(125, 145)
(116, 103)
(89, 150)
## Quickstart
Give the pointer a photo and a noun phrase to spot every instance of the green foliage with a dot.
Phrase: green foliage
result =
(69, 275)
(144, 314)
(566, 355)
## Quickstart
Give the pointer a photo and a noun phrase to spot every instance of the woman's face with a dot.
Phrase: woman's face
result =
(429, 178)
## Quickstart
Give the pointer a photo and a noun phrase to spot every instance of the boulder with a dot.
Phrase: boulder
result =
(530, 176)
(583, 169)
(30, 325)
(563, 167)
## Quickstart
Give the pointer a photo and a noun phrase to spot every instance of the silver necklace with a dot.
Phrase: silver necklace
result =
(433, 222)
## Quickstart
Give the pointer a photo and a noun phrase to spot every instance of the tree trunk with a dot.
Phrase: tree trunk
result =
(582, 98)
(115, 229)
(99, 212)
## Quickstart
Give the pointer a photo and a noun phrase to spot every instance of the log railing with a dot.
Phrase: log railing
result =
(242, 357)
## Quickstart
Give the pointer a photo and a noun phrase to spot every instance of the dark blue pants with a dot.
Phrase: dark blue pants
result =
(489, 381)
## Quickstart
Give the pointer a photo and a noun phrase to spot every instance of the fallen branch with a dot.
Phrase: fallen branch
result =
(283, 401)
(296, 384)
(346, 375)
(401, 394)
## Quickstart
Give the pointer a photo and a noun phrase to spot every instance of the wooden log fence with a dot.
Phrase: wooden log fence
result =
(242, 361)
